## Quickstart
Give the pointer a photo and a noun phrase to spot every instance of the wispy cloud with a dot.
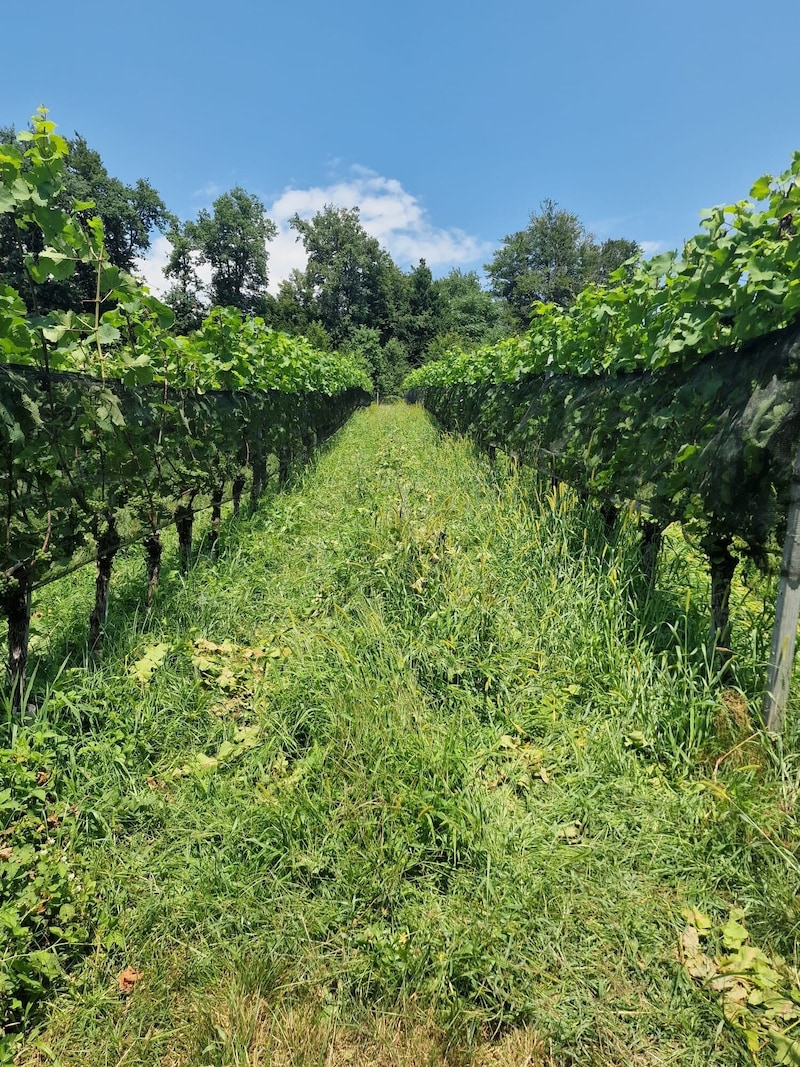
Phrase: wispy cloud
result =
(208, 192)
(603, 228)
(387, 211)
(150, 268)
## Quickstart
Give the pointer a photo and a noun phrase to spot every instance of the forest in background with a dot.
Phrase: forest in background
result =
(351, 296)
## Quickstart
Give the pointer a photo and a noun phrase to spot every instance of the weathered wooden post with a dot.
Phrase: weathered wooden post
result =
(786, 614)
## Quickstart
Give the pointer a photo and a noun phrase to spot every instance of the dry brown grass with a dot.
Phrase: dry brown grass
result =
(304, 1036)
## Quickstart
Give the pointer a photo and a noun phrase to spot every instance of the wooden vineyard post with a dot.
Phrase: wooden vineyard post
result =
(787, 610)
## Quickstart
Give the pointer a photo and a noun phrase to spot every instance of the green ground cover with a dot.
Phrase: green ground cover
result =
(416, 770)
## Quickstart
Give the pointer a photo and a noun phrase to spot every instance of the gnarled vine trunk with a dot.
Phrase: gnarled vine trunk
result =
(108, 545)
(17, 606)
(236, 493)
(184, 524)
(153, 549)
(723, 565)
(216, 515)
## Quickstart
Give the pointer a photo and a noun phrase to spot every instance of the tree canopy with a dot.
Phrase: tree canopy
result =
(551, 261)
(467, 309)
(232, 240)
(349, 280)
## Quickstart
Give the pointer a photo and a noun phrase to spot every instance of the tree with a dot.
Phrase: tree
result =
(551, 261)
(232, 239)
(129, 212)
(419, 317)
(612, 254)
(386, 364)
(185, 296)
(349, 281)
(468, 312)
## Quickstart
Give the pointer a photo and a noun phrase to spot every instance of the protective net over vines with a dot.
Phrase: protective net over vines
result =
(78, 453)
(714, 441)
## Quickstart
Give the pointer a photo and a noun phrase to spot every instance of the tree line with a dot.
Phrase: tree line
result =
(351, 295)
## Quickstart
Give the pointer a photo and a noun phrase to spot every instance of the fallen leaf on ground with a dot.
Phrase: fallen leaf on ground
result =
(127, 980)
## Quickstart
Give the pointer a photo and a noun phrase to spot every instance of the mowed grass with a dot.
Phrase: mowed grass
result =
(416, 771)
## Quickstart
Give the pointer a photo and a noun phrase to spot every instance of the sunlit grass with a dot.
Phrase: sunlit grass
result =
(424, 775)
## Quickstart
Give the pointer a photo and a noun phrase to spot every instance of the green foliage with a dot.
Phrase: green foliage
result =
(419, 317)
(45, 888)
(351, 285)
(386, 364)
(129, 213)
(81, 184)
(470, 315)
(232, 240)
(760, 996)
(551, 261)
(144, 429)
(350, 281)
(185, 297)
(703, 438)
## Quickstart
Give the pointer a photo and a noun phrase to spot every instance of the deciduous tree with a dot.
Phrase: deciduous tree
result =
(551, 261)
(349, 281)
(232, 239)
(129, 214)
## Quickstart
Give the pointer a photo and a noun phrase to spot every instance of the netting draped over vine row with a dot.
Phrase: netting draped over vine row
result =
(713, 442)
(78, 452)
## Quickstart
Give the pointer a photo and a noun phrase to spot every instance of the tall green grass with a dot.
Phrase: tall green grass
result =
(422, 773)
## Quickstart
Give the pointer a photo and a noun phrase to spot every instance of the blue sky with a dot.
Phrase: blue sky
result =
(449, 123)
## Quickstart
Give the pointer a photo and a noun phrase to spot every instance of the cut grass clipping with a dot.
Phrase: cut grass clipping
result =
(416, 770)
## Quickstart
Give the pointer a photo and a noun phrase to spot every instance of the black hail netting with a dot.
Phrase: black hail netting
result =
(713, 442)
(76, 453)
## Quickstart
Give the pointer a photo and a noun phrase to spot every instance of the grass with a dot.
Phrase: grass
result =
(417, 772)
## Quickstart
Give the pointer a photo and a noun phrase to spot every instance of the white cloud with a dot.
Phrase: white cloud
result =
(651, 248)
(387, 211)
(150, 268)
(208, 192)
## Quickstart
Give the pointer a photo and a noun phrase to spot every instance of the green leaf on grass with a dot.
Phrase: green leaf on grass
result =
(144, 668)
